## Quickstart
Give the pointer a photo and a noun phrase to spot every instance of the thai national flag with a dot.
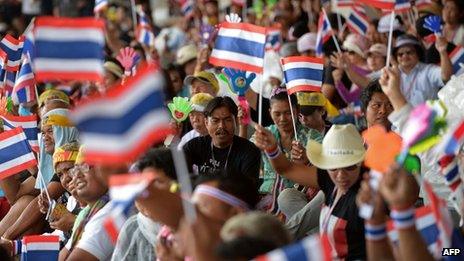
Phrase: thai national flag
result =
(402, 5)
(324, 32)
(100, 5)
(382, 4)
(126, 121)
(358, 21)
(27, 123)
(28, 48)
(13, 48)
(40, 247)
(427, 225)
(303, 73)
(310, 248)
(457, 57)
(124, 189)
(68, 49)
(8, 85)
(24, 87)
(239, 46)
(344, 3)
(273, 39)
(15, 153)
(187, 8)
(145, 35)
(3, 61)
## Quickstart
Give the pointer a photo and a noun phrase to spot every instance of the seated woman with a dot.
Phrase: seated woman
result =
(337, 172)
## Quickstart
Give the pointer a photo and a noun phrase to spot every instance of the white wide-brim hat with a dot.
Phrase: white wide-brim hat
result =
(342, 147)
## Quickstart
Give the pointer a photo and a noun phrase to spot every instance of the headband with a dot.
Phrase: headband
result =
(221, 195)
(57, 120)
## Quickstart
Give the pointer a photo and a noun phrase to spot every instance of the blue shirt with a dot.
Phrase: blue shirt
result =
(422, 83)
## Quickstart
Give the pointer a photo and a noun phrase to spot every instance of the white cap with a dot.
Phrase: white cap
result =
(306, 42)
(384, 24)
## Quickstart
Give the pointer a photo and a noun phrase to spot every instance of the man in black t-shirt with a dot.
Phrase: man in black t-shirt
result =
(222, 149)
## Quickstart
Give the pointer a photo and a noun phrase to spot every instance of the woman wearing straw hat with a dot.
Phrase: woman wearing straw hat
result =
(336, 171)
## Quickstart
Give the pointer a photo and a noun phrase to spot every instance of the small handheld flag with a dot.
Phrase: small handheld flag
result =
(324, 32)
(358, 21)
(15, 153)
(145, 35)
(381, 4)
(24, 87)
(457, 57)
(27, 123)
(40, 248)
(13, 48)
(68, 49)
(303, 73)
(239, 46)
(118, 127)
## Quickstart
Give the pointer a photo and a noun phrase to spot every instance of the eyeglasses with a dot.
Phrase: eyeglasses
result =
(83, 168)
(349, 168)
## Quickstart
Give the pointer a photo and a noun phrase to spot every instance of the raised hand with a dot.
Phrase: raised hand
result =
(233, 18)
(238, 80)
(398, 188)
(127, 57)
(180, 108)
(264, 139)
(434, 24)
(299, 153)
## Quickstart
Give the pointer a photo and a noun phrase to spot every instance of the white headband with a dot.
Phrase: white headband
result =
(221, 195)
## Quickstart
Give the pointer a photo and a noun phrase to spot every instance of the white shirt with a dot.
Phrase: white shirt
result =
(187, 137)
(422, 83)
(95, 239)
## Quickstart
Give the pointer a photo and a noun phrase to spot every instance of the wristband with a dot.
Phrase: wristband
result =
(404, 218)
(272, 154)
(17, 245)
(375, 232)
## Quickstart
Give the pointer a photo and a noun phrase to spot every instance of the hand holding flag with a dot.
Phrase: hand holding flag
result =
(434, 24)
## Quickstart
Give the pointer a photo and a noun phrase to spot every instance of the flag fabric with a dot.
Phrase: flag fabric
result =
(100, 5)
(358, 21)
(402, 5)
(312, 248)
(27, 123)
(426, 224)
(145, 35)
(303, 73)
(124, 189)
(382, 4)
(8, 85)
(324, 32)
(344, 3)
(28, 47)
(239, 46)
(68, 49)
(24, 87)
(13, 48)
(3, 61)
(129, 119)
(15, 153)
(40, 248)
(187, 7)
(457, 57)
(273, 38)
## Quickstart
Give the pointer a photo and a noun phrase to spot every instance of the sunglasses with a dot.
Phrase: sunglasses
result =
(349, 168)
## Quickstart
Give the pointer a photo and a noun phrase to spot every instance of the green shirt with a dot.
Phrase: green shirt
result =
(269, 174)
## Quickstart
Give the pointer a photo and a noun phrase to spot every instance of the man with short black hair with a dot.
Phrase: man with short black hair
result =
(222, 149)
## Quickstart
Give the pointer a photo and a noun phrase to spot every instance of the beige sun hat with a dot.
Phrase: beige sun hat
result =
(342, 147)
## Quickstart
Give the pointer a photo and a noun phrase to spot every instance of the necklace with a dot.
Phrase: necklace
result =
(228, 154)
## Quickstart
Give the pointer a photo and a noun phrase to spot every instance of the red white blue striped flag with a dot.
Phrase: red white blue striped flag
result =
(457, 57)
(24, 87)
(382, 4)
(68, 49)
(27, 123)
(8, 85)
(124, 189)
(239, 46)
(15, 153)
(40, 248)
(358, 21)
(273, 38)
(13, 48)
(125, 122)
(145, 35)
(324, 32)
(303, 73)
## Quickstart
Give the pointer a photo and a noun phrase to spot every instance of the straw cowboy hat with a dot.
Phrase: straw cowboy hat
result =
(342, 147)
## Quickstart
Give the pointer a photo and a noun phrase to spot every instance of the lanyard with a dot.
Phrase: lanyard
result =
(325, 223)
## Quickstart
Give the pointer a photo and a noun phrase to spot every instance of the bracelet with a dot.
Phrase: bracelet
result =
(375, 232)
(273, 153)
(17, 245)
(404, 218)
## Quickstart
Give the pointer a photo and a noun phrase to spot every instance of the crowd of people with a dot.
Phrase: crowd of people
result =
(269, 167)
